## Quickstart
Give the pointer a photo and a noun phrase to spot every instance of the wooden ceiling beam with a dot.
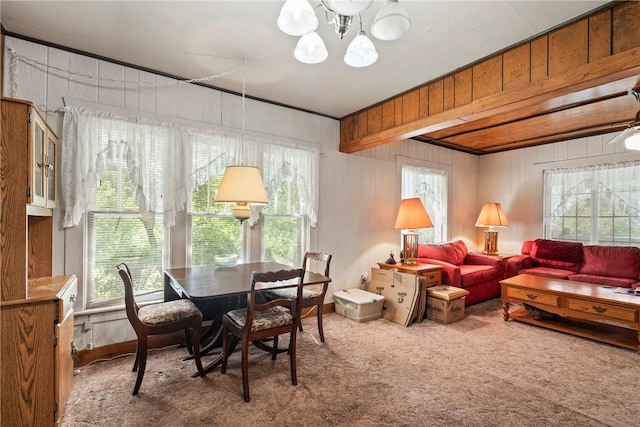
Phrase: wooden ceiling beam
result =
(583, 63)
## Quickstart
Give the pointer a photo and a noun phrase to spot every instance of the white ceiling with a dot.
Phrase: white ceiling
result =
(197, 39)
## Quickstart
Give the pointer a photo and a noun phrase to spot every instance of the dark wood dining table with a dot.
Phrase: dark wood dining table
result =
(216, 290)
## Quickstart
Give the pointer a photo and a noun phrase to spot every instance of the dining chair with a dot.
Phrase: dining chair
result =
(261, 320)
(158, 319)
(312, 295)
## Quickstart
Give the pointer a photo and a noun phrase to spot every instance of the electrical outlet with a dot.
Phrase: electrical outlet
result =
(88, 324)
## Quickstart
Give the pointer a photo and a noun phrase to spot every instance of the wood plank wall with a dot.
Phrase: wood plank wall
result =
(589, 39)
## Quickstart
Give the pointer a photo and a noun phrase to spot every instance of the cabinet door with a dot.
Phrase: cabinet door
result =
(50, 169)
(36, 160)
(64, 364)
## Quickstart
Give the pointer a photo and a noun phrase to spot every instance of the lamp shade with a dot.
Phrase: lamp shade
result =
(297, 18)
(632, 142)
(361, 52)
(310, 49)
(630, 136)
(412, 215)
(491, 215)
(391, 22)
(242, 184)
(348, 7)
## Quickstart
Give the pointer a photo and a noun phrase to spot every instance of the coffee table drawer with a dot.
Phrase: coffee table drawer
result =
(606, 310)
(533, 296)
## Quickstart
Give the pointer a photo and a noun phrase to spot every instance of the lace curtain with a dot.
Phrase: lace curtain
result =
(430, 186)
(293, 171)
(597, 204)
(154, 155)
(166, 162)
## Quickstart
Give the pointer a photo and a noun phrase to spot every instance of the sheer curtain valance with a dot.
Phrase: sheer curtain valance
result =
(597, 204)
(155, 154)
(165, 162)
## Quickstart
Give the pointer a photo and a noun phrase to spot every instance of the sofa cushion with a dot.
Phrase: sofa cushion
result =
(554, 273)
(471, 275)
(611, 261)
(618, 282)
(451, 252)
(555, 253)
(526, 247)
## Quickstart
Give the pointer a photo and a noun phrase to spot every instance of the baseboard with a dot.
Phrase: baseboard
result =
(84, 357)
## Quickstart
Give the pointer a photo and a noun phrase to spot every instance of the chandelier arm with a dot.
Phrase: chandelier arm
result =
(323, 4)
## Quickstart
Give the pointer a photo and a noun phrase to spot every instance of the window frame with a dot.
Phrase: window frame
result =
(401, 163)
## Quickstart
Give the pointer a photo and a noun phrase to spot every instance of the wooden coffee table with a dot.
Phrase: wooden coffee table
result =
(582, 309)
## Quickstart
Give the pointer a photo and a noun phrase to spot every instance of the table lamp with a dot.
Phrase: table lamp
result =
(491, 216)
(411, 215)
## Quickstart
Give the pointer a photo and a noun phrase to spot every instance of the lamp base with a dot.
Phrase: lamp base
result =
(490, 242)
(410, 248)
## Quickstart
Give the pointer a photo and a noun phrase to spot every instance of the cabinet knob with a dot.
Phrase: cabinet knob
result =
(72, 298)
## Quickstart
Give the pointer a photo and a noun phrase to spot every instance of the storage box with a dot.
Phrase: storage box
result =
(401, 292)
(446, 292)
(443, 311)
(358, 305)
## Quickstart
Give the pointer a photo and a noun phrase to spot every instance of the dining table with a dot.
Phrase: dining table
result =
(216, 290)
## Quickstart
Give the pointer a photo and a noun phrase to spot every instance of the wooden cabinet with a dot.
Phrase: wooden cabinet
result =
(37, 352)
(28, 197)
(36, 309)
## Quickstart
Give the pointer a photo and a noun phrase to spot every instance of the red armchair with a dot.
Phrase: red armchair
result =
(477, 273)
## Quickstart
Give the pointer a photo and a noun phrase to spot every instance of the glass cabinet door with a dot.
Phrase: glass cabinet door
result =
(37, 161)
(50, 171)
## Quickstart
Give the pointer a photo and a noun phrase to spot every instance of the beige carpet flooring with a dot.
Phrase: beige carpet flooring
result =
(480, 371)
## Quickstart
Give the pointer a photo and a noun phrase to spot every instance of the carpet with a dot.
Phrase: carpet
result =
(480, 371)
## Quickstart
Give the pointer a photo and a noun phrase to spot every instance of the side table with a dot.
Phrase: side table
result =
(503, 258)
(430, 274)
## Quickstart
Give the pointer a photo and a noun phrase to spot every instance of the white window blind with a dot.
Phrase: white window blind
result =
(595, 205)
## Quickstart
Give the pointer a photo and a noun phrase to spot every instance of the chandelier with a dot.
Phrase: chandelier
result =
(298, 18)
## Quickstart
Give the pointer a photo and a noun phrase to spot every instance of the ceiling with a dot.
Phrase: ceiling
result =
(200, 39)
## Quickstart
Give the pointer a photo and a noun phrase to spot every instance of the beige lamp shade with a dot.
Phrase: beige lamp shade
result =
(243, 186)
(412, 215)
(491, 215)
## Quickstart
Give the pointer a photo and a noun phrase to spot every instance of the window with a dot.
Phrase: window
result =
(430, 185)
(211, 230)
(129, 179)
(594, 205)
(118, 230)
(282, 232)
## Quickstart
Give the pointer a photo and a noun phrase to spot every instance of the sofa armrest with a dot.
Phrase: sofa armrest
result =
(450, 272)
(481, 259)
(517, 263)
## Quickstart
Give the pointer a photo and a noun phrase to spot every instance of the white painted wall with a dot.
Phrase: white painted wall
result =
(359, 193)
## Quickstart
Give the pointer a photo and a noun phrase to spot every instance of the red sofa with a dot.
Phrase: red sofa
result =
(603, 265)
(479, 274)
